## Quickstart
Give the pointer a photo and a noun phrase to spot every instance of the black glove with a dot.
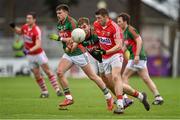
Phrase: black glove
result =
(12, 25)
(101, 51)
(97, 55)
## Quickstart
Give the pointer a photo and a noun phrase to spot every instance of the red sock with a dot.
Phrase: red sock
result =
(42, 85)
(54, 82)
(135, 94)
(119, 97)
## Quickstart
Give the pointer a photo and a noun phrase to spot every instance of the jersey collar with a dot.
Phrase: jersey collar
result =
(63, 22)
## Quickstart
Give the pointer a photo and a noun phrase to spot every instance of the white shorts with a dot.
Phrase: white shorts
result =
(114, 61)
(134, 67)
(37, 60)
(80, 60)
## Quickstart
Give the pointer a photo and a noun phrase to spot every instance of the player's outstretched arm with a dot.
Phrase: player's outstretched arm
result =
(15, 28)
(54, 37)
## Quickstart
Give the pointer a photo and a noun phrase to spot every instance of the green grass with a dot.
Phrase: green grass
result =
(19, 98)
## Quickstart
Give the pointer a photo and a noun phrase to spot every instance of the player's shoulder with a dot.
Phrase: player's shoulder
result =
(24, 26)
(132, 29)
(96, 23)
(72, 20)
(37, 29)
(115, 26)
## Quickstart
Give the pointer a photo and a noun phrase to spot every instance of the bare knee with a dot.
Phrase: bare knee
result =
(60, 73)
(146, 79)
(37, 76)
(116, 77)
(48, 72)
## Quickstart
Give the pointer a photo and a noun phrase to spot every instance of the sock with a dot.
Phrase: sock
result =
(67, 93)
(138, 95)
(42, 85)
(125, 96)
(119, 101)
(135, 94)
(54, 82)
(106, 93)
(156, 94)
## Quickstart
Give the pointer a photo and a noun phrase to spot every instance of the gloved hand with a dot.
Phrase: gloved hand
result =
(54, 37)
(12, 25)
(101, 51)
(85, 43)
(25, 51)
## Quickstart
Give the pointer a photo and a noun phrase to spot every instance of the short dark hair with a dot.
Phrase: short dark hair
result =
(102, 11)
(83, 20)
(33, 14)
(62, 7)
(125, 17)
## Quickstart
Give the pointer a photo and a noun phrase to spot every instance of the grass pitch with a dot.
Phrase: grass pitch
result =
(19, 99)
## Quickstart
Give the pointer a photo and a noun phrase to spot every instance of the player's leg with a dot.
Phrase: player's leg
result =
(112, 67)
(83, 61)
(108, 82)
(43, 62)
(52, 78)
(40, 81)
(94, 77)
(125, 76)
(143, 73)
(141, 96)
(64, 65)
(118, 88)
(35, 68)
(129, 70)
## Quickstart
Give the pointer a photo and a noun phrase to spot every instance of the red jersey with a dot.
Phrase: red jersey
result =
(107, 35)
(30, 35)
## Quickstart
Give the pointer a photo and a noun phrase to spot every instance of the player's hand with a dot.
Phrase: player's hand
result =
(97, 54)
(74, 46)
(69, 45)
(101, 51)
(85, 43)
(54, 37)
(25, 51)
(136, 59)
(12, 25)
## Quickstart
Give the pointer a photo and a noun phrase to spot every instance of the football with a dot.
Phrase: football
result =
(78, 35)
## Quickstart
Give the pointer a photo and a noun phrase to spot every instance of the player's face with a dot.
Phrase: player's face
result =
(101, 19)
(61, 15)
(121, 23)
(85, 27)
(30, 20)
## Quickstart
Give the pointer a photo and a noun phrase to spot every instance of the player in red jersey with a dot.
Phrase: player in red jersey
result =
(111, 38)
(35, 54)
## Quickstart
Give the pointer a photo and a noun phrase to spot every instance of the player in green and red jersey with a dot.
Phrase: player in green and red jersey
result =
(137, 60)
(74, 54)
